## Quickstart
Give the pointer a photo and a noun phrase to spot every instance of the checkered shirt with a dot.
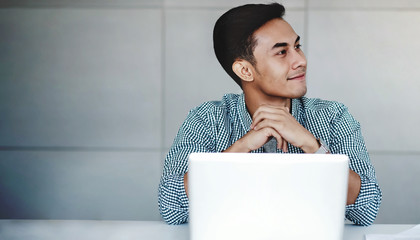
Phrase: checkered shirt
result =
(215, 126)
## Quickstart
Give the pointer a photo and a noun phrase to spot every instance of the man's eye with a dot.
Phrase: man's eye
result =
(281, 52)
(298, 46)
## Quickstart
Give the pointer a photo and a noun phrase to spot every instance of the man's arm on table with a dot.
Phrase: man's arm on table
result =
(346, 138)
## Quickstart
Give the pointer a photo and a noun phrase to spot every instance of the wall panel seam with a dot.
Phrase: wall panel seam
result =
(77, 149)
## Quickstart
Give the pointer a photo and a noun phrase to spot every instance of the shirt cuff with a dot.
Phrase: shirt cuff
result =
(173, 200)
(365, 209)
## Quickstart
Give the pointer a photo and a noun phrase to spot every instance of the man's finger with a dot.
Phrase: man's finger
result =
(261, 115)
(285, 148)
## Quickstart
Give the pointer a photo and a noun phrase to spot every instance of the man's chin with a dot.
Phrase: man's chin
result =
(299, 94)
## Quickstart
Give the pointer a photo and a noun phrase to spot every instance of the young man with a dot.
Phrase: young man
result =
(262, 53)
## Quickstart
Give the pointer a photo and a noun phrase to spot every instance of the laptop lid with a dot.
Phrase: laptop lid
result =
(267, 196)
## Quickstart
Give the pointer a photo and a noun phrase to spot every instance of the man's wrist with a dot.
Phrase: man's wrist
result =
(312, 146)
(239, 147)
(323, 148)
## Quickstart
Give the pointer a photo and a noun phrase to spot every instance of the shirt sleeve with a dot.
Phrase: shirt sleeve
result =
(173, 201)
(193, 136)
(347, 139)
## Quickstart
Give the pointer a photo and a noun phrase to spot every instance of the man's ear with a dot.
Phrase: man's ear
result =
(244, 70)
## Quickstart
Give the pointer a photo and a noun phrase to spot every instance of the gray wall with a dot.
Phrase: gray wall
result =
(92, 94)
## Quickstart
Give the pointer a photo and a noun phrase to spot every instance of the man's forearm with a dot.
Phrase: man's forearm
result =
(186, 183)
(353, 187)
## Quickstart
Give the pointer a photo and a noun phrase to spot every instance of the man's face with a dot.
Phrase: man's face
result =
(280, 63)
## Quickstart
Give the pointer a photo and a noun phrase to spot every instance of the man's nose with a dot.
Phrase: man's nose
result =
(298, 59)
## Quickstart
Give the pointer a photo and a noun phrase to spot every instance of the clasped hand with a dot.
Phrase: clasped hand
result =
(272, 121)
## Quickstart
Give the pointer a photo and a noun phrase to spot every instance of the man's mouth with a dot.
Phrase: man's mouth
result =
(299, 76)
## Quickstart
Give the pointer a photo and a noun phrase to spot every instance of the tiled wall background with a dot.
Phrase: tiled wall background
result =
(92, 94)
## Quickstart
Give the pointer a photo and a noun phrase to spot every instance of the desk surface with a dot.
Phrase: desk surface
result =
(126, 230)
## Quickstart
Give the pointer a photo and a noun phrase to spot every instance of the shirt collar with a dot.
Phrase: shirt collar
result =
(293, 105)
(297, 110)
(244, 116)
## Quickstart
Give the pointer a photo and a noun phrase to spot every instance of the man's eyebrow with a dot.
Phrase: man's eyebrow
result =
(284, 44)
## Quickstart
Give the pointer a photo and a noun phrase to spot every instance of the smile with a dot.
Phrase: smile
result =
(297, 77)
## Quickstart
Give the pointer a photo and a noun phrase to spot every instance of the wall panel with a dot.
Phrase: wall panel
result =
(79, 185)
(398, 177)
(367, 60)
(80, 78)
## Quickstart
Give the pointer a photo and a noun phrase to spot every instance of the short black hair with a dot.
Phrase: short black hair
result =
(233, 33)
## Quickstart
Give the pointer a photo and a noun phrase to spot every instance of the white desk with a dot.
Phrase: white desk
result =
(138, 230)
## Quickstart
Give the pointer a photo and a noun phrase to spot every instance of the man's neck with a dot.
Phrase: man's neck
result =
(253, 102)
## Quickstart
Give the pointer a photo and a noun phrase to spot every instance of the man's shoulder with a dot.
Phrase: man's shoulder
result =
(319, 111)
(226, 105)
(321, 105)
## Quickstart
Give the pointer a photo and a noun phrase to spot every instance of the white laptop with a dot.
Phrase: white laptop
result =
(267, 196)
